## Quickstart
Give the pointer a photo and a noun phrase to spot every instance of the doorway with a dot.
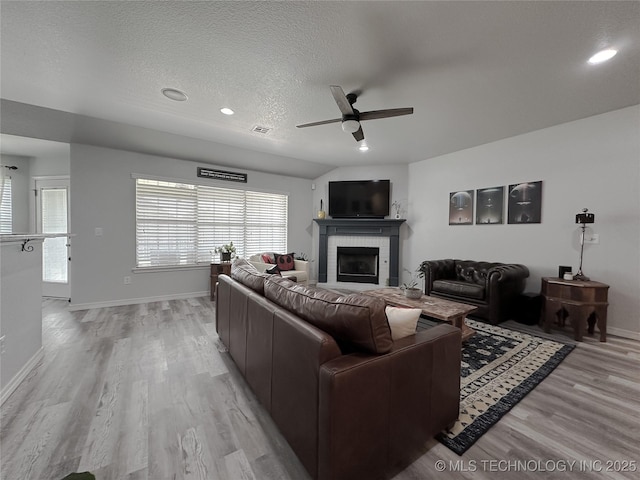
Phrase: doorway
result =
(52, 217)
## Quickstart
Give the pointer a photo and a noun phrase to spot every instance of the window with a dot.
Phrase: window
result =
(6, 217)
(181, 224)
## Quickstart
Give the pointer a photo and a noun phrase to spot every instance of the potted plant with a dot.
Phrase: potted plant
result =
(227, 251)
(410, 288)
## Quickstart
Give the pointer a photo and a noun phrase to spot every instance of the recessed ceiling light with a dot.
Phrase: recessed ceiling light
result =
(227, 111)
(174, 94)
(603, 56)
(363, 148)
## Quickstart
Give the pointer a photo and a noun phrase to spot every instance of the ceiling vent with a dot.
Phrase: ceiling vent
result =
(259, 129)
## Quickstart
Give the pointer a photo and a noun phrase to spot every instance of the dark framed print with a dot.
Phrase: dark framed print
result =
(461, 208)
(490, 206)
(525, 202)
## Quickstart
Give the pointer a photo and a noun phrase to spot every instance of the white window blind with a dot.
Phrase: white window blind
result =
(266, 223)
(181, 224)
(54, 220)
(6, 216)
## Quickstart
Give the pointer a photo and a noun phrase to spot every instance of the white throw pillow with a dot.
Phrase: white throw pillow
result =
(402, 321)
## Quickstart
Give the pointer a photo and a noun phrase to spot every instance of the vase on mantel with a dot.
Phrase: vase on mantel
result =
(321, 214)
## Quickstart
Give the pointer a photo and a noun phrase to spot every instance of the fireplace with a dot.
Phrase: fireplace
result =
(358, 264)
(381, 234)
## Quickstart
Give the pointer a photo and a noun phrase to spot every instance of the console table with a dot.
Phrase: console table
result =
(584, 303)
(222, 268)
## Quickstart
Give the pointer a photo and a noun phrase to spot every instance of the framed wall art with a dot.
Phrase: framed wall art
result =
(490, 206)
(461, 208)
(525, 202)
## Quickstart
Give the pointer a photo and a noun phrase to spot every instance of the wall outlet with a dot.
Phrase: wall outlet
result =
(2, 344)
(592, 238)
(127, 280)
(98, 231)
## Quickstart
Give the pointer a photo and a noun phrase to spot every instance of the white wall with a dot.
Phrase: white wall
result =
(20, 309)
(593, 163)
(399, 192)
(103, 195)
(49, 166)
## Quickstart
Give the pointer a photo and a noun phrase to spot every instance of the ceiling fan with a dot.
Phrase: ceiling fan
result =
(351, 117)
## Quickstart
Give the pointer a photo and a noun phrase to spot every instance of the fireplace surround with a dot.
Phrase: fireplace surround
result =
(347, 227)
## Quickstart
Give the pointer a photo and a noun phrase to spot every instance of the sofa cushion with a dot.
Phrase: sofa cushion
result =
(357, 320)
(248, 275)
(285, 262)
(473, 272)
(462, 289)
(268, 258)
(402, 321)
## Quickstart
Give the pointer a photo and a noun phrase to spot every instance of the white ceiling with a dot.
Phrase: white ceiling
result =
(475, 72)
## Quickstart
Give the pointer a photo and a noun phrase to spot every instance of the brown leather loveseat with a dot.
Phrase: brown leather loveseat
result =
(492, 287)
(351, 402)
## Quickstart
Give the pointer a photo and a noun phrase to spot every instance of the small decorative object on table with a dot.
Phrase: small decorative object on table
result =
(397, 206)
(227, 252)
(410, 288)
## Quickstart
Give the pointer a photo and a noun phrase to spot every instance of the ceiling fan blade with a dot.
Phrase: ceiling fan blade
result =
(392, 112)
(359, 135)
(341, 99)
(324, 122)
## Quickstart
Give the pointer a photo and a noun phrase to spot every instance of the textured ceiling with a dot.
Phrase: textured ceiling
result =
(474, 72)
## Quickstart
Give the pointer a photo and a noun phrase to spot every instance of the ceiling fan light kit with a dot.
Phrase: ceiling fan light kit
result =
(351, 117)
(350, 126)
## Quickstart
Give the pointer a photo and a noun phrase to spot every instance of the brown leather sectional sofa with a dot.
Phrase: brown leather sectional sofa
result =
(351, 402)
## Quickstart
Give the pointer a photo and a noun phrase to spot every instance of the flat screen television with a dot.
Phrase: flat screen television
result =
(359, 199)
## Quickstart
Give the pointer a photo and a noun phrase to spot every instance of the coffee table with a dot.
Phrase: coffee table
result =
(446, 310)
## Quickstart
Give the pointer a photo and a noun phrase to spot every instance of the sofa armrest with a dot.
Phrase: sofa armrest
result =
(302, 265)
(377, 412)
(508, 272)
(437, 270)
(504, 284)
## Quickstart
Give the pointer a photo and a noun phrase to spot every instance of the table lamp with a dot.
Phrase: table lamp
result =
(583, 218)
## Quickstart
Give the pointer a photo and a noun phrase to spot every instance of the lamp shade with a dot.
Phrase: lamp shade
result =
(585, 217)
(350, 126)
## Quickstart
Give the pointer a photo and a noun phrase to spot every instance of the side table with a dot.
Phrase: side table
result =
(218, 269)
(584, 303)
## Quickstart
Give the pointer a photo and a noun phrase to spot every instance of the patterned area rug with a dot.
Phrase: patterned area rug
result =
(499, 368)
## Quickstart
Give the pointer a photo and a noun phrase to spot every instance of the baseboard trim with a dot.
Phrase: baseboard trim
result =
(17, 379)
(619, 332)
(135, 301)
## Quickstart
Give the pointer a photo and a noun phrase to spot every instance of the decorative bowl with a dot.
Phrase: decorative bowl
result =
(413, 293)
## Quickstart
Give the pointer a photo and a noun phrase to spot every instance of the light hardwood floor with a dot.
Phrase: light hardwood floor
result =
(148, 392)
